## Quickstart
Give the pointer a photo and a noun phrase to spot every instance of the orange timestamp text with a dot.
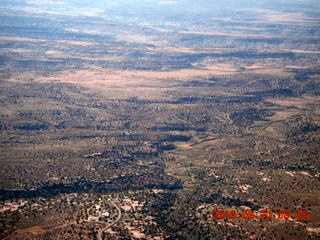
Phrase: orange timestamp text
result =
(283, 214)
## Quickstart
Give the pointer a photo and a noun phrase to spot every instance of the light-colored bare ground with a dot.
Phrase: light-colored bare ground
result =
(111, 232)
(303, 51)
(77, 43)
(34, 230)
(295, 102)
(228, 34)
(16, 50)
(273, 16)
(60, 54)
(219, 67)
(25, 39)
(12, 206)
(126, 208)
(283, 115)
(268, 70)
(183, 145)
(313, 230)
(135, 233)
(272, 131)
(87, 31)
(130, 204)
(280, 17)
(126, 76)
(157, 191)
(173, 50)
(291, 173)
(137, 38)
(123, 84)
(56, 54)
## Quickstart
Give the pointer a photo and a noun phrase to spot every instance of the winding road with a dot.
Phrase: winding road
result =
(99, 235)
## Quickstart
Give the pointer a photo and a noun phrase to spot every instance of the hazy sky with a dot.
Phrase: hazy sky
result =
(176, 4)
(147, 9)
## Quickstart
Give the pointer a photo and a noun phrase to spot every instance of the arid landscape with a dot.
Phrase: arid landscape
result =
(142, 119)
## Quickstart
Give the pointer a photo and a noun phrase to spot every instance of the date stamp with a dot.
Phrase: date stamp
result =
(282, 214)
